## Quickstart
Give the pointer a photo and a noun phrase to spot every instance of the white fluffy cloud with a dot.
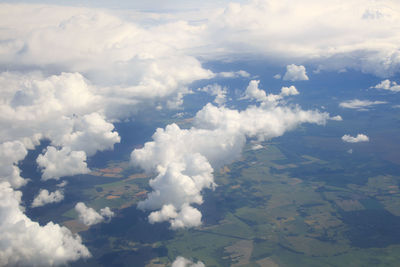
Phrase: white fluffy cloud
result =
(295, 73)
(184, 159)
(254, 92)
(44, 197)
(183, 262)
(89, 216)
(216, 90)
(26, 243)
(388, 85)
(359, 138)
(337, 118)
(360, 104)
(57, 163)
(10, 154)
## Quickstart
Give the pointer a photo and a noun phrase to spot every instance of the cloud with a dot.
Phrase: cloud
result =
(295, 73)
(183, 262)
(359, 138)
(256, 147)
(62, 184)
(89, 216)
(184, 159)
(67, 77)
(216, 90)
(10, 154)
(337, 118)
(360, 104)
(234, 74)
(26, 243)
(254, 92)
(388, 85)
(331, 35)
(58, 163)
(68, 73)
(44, 197)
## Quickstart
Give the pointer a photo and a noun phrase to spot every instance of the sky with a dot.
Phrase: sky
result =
(69, 70)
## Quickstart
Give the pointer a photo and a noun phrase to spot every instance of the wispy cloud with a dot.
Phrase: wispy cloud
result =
(360, 104)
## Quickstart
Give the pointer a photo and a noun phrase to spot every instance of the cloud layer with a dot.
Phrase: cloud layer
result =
(68, 73)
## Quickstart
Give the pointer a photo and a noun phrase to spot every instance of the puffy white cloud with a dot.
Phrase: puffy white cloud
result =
(183, 262)
(216, 90)
(337, 118)
(62, 184)
(388, 85)
(26, 243)
(295, 73)
(359, 138)
(256, 147)
(184, 159)
(44, 197)
(57, 163)
(89, 216)
(360, 104)
(10, 154)
(187, 217)
(254, 92)
(107, 213)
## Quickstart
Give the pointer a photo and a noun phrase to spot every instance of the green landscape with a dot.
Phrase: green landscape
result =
(260, 214)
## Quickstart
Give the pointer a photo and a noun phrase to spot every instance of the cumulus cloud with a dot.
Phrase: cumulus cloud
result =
(71, 73)
(10, 154)
(58, 163)
(89, 216)
(295, 73)
(337, 118)
(256, 147)
(44, 197)
(62, 184)
(388, 85)
(216, 90)
(184, 159)
(254, 92)
(359, 138)
(183, 262)
(360, 104)
(26, 243)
